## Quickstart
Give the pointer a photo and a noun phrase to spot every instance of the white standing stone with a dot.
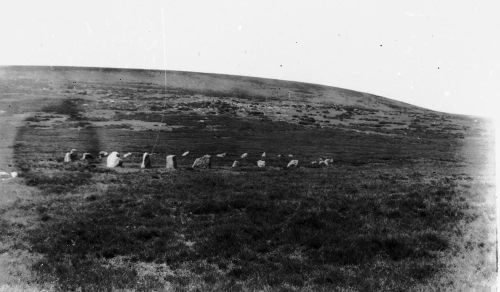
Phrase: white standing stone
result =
(67, 157)
(171, 162)
(236, 163)
(113, 160)
(146, 160)
(70, 156)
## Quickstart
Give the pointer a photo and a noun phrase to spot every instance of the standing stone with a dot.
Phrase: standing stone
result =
(73, 154)
(171, 162)
(70, 156)
(293, 163)
(236, 163)
(261, 163)
(113, 160)
(146, 160)
(202, 162)
(67, 157)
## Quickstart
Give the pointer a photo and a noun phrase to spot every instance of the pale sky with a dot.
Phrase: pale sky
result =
(443, 55)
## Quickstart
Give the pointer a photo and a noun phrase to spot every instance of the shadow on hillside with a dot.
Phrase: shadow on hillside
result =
(35, 146)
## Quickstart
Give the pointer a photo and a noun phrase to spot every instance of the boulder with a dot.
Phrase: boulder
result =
(185, 153)
(202, 162)
(221, 154)
(261, 163)
(293, 163)
(325, 162)
(236, 163)
(4, 175)
(244, 155)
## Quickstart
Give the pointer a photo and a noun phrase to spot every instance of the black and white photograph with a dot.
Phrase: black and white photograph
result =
(248, 145)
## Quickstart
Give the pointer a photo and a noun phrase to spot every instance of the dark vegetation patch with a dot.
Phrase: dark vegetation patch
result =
(57, 183)
(66, 107)
(318, 213)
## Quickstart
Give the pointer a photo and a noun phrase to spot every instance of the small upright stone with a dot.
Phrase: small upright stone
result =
(70, 156)
(171, 162)
(146, 160)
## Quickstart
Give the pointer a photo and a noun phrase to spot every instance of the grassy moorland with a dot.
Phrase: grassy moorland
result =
(406, 205)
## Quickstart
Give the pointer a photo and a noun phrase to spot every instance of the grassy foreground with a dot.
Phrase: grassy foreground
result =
(343, 227)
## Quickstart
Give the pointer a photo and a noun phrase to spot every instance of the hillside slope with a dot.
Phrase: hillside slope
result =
(214, 84)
